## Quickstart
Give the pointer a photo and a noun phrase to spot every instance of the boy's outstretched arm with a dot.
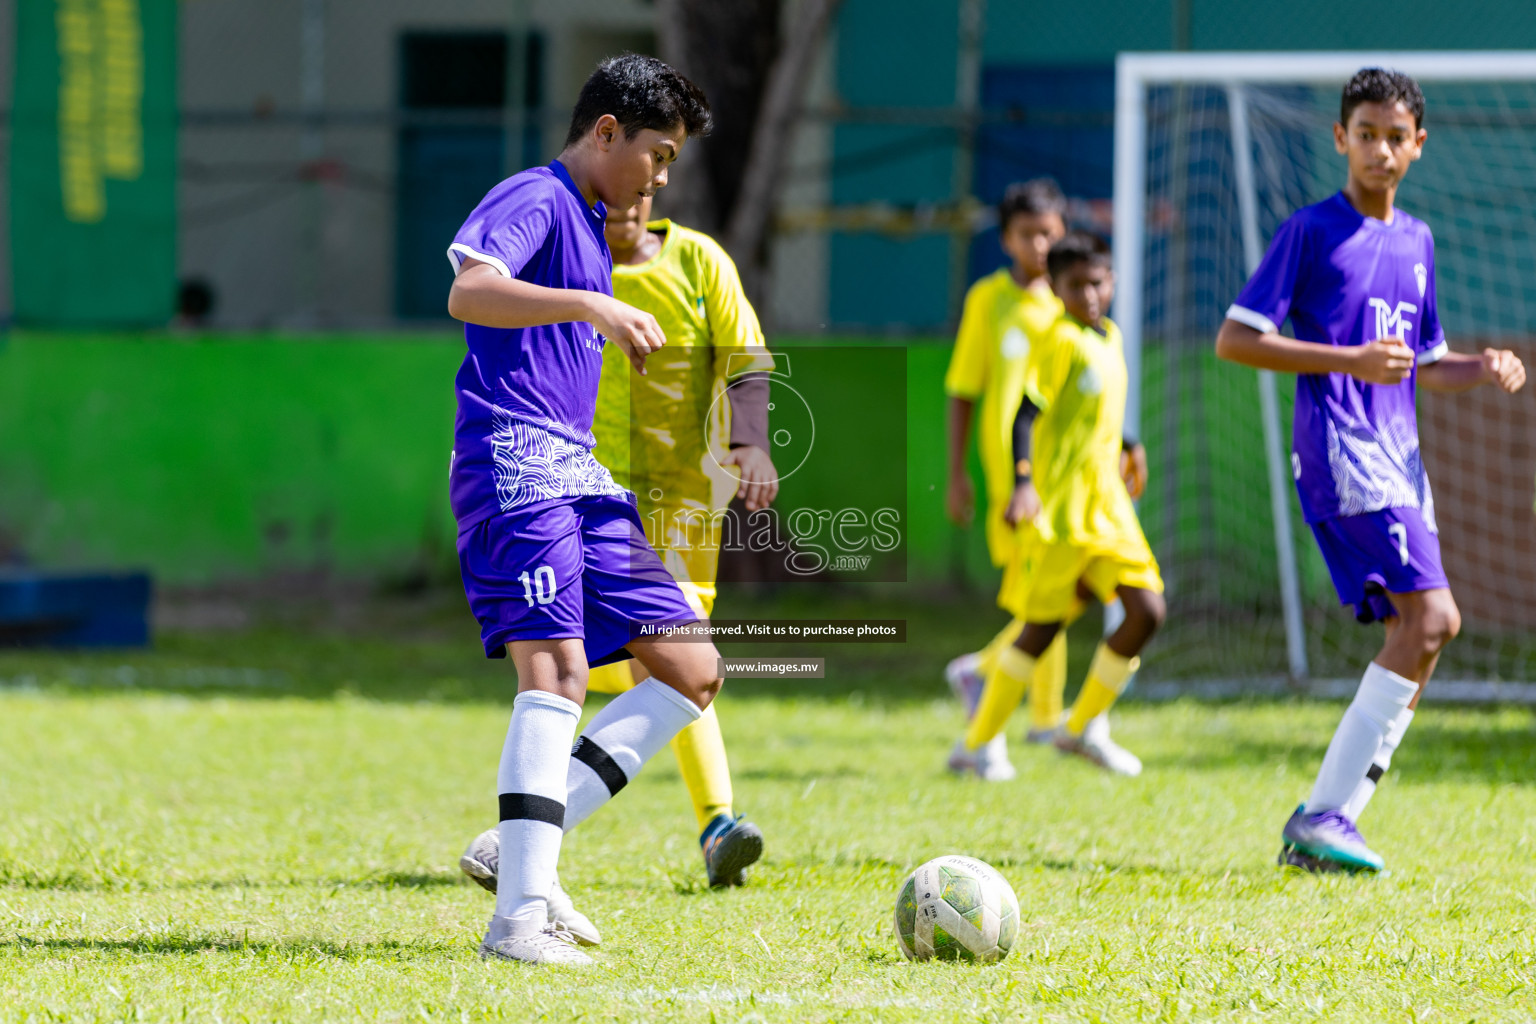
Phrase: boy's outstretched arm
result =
(1462, 371)
(1383, 361)
(483, 295)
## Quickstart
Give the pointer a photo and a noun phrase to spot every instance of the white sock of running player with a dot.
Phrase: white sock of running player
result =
(531, 788)
(1382, 695)
(618, 741)
(1383, 760)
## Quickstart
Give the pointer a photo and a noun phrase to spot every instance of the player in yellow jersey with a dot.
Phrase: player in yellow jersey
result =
(1003, 312)
(684, 437)
(657, 436)
(1080, 536)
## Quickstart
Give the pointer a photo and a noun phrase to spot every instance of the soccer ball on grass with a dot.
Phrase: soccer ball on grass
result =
(956, 908)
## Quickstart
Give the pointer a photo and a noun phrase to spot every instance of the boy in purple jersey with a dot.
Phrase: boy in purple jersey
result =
(1357, 279)
(555, 562)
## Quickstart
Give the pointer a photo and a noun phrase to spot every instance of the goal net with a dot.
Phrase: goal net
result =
(1212, 153)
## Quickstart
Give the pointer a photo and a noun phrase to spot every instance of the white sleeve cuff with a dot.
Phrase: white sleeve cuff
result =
(1434, 355)
(458, 250)
(1250, 318)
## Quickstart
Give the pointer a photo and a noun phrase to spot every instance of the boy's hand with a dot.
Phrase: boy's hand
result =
(1024, 505)
(1384, 361)
(1133, 469)
(960, 499)
(1504, 368)
(759, 478)
(635, 331)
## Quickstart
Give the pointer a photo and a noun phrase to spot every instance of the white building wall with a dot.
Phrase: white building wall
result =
(281, 251)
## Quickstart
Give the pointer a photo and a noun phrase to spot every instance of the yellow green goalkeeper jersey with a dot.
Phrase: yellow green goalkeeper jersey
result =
(997, 325)
(1077, 377)
(661, 434)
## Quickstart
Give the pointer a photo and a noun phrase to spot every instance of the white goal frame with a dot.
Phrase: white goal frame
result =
(1134, 73)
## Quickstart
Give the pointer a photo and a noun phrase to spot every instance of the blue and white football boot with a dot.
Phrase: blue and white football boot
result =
(1326, 841)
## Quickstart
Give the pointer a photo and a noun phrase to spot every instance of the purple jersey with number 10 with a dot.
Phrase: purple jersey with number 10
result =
(1347, 279)
(550, 547)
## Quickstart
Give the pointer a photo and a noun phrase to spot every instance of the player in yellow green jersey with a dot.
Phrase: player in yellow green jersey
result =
(1080, 537)
(683, 449)
(1003, 312)
(684, 437)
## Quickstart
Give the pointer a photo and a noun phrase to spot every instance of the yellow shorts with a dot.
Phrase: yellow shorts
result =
(1002, 538)
(1041, 582)
(694, 571)
(694, 568)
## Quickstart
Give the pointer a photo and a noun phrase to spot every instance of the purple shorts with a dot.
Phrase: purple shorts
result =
(1391, 551)
(568, 568)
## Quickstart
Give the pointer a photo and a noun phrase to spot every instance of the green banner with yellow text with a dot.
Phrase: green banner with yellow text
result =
(93, 163)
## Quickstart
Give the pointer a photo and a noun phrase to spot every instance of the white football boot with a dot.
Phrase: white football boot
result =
(505, 940)
(482, 861)
(992, 764)
(989, 763)
(564, 915)
(482, 858)
(1096, 746)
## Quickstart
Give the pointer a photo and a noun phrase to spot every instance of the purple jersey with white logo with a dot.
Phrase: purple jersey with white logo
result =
(1347, 279)
(526, 395)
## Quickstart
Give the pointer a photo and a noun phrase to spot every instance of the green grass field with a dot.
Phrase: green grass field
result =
(261, 823)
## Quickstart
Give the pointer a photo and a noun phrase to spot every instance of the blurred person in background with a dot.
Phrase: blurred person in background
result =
(1002, 313)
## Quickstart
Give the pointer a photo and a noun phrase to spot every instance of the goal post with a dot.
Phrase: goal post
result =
(1269, 394)
(1212, 151)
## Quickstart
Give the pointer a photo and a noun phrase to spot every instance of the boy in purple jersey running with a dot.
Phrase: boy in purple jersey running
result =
(555, 562)
(1357, 279)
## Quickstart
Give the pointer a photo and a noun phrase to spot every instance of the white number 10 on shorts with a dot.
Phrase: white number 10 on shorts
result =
(542, 584)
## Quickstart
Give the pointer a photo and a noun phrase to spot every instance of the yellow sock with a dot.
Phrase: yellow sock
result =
(987, 656)
(614, 678)
(1011, 672)
(700, 751)
(1049, 683)
(1107, 676)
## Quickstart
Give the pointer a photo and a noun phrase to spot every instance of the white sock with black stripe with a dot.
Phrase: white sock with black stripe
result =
(1382, 696)
(530, 784)
(618, 741)
(1367, 787)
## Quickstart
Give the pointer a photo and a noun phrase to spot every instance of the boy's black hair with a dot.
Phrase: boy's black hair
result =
(640, 92)
(1036, 196)
(1382, 85)
(1076, 247)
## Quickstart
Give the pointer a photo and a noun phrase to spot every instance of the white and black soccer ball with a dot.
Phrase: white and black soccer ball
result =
(956, 908)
